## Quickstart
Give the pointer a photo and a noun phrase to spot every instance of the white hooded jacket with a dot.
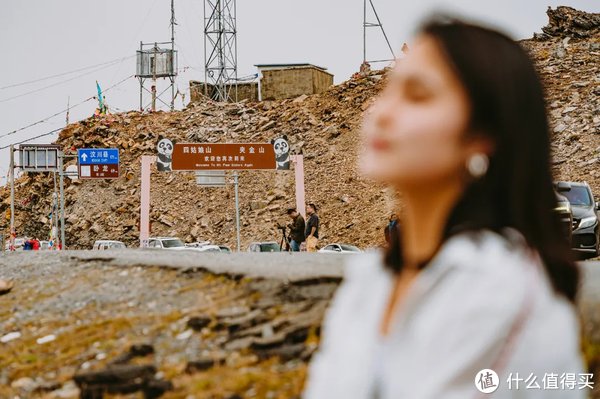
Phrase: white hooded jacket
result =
(453, 322)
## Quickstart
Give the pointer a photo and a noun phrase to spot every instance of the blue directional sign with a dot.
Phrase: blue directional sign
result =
(98, 156)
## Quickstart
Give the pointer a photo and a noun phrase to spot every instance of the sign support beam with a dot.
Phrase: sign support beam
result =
(61, 174)
(237, 210)
(147, 161)
(12, 197)
(298, 161)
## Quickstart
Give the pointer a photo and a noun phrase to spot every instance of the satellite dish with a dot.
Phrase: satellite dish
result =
(72, 172)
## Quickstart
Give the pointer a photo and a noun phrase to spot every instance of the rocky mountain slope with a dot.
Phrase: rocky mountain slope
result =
(324, 127)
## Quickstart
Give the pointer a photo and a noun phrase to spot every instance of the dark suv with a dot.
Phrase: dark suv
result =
(586, 212)
(563, 211)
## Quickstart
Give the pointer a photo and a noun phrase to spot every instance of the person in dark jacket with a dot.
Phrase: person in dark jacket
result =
(296, 229)
(312, 228)
(393, 223)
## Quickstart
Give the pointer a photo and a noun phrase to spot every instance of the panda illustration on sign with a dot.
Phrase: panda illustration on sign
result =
(165, 155)
(282, 153)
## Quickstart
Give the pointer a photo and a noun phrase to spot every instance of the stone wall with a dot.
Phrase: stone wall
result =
(278, 84)
(245, 91)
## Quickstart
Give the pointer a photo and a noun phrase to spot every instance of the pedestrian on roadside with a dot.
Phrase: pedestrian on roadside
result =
(312, 228)
(296, 229)
(392, 224)
(35, 244)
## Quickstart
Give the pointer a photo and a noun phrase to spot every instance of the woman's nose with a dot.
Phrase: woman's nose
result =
(381, 116)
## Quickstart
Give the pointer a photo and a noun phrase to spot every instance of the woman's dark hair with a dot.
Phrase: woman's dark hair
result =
(508, 107)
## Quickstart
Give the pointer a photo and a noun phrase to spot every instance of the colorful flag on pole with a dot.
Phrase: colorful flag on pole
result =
(100, 98)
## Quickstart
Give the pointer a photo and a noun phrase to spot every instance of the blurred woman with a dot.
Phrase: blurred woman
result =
(475, 293)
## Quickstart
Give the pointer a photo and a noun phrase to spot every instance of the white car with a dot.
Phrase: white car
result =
(340, 249)
(101, 245)
(208, 248)
(204, 246)
(172, 243)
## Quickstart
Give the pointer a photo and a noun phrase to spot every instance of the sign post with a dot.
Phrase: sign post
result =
(210, 161)
(299, 175)
(237, 210)
(147, 161)
(12, 197)
(32, 158)
(98, 163)
(61, 174)
(209, 156)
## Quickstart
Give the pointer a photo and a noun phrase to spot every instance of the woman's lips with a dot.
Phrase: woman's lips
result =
(380, 145)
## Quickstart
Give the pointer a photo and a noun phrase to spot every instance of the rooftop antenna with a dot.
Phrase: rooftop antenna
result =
(154, 61)
(220, 50)
(378, 24)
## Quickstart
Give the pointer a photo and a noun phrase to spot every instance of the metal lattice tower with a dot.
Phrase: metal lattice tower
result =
(153, 62)
(377, 24)
(220, 49)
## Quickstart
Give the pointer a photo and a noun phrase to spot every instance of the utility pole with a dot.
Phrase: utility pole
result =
(68, 109)
(173, 52)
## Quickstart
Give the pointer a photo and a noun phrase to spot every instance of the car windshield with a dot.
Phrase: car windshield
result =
(270, 247)
(578, 195)
(173, 243)
(352, 248)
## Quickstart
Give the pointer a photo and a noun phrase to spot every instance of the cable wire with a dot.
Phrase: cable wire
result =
(63, 73)
(59, 113)
(56, 84)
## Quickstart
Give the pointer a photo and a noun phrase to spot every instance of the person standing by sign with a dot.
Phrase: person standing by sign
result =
(296, 229)
(312, 228)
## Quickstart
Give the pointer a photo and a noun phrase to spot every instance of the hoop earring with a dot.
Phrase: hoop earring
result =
(477, 164)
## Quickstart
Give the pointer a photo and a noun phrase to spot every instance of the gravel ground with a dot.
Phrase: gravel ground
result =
(92, 307)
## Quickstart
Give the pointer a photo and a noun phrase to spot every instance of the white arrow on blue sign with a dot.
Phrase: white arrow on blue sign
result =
(94, 156)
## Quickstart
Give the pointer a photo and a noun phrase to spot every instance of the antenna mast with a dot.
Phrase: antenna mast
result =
(220, 50)
(377, 24)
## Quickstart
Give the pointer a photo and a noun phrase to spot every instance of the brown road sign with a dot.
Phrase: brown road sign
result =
(100, 171)
(208, 156)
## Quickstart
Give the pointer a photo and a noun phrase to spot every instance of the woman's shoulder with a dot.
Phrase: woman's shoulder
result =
(490, 254)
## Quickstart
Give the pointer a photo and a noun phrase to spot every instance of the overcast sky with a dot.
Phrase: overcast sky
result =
(41, 38)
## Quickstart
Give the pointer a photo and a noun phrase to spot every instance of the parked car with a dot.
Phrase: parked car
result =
(269, 246)
(197, 244)
(101, 245)
(586, 212)
(208, 248)
(563, 210)
(225, 249)
(171, 243)
(19, 243)
(340, 249)
(204, 246)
